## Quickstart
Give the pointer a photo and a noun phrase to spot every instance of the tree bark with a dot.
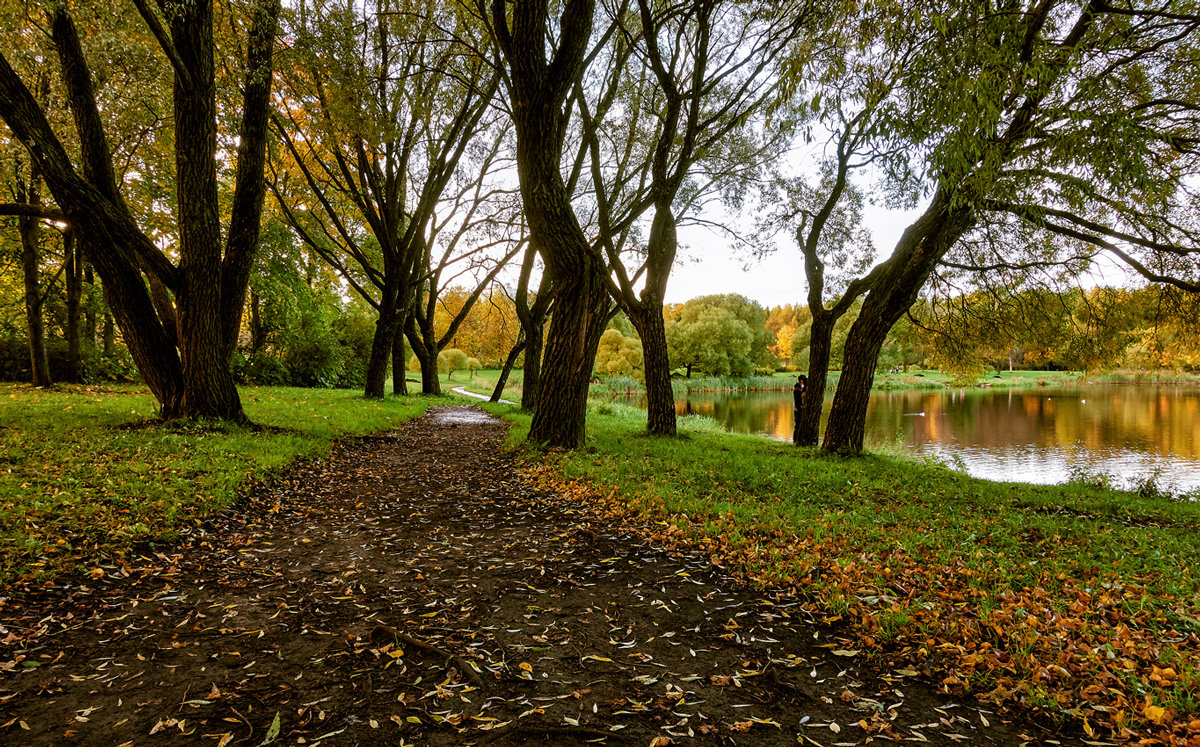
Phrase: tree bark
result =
(660, 396)
(258, 332)
(399, 363)
(382, 341)
(918, 251)
(74, 285)
(580, 315)
(424, 344)
(808, 427)
(108, 336)
(531, 375)
(31, 234)
(208, 386)
(538, 89)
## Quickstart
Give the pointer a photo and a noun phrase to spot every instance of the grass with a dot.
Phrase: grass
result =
(1023, 593)
(86, 474)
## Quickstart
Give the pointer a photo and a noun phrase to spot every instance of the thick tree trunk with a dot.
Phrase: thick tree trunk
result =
(381, 343)
(539, 88)
(509, 362)
(431, 382)
(660, 397)
(74, 295)
(580, 316)
(920, 248)
(30, 229)
(208, 386)
(808, 426)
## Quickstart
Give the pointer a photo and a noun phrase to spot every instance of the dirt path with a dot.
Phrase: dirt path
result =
(413, 589)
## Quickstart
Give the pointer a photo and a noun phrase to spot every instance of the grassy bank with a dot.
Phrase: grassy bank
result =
(86, 474)
(1070, 601)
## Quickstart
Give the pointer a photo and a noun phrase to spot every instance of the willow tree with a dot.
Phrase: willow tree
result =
(1073, 121)
(1079, 120)
(543, 65)
(180, 319)
(380, 109)
(678, 123)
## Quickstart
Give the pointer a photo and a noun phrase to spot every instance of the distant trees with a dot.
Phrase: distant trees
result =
(722, 335)
(620, 355)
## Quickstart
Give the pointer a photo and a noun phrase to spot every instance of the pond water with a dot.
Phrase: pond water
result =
(1129, 432)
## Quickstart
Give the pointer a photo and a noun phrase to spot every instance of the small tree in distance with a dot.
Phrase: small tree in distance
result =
(451, 360)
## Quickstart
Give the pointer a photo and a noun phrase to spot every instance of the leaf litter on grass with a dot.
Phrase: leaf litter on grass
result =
(415, 589)
(1091, 653)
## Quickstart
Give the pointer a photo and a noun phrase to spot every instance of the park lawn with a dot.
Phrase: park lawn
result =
(1072, 601)
(87, 474)
(484, 381)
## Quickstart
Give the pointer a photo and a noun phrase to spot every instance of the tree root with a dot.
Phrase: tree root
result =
(460, 663)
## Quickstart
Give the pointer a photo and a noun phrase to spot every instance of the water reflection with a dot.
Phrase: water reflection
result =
(1040, 436)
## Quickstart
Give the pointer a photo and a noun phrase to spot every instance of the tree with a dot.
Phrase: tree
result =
(694, 75)
(382, 109)
(542, 69)
(451, 360)
(183, 349)
(1079, 124)
(722, 335)
(1068, 119)
(618, 355)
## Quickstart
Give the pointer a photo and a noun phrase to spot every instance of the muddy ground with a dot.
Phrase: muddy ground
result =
(412, 589)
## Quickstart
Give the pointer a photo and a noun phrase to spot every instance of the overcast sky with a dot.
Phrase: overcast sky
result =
(707, 265)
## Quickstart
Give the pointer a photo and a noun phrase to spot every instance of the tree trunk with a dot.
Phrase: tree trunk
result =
(920, 248)
(208, 386)
(74, 294)
(258, 333)
(660, 397)
(531, 375)
(89, 313)
(381, 343)
(580, 316)
(808, 426)
(30, 230)
(424, 344)
(646, 314)
(399, 361)
(509, 362)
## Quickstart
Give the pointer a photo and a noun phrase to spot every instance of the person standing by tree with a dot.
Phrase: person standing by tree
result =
(798, 391)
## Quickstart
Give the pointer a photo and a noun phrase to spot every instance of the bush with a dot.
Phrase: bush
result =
(451, 360)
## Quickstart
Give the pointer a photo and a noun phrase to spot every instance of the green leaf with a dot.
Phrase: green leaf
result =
(272, 732)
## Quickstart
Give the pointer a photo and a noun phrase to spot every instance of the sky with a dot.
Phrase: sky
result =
(707, 265)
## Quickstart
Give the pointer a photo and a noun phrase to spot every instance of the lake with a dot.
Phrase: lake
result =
(1042, 436)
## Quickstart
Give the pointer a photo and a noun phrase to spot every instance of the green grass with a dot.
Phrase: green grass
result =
(484, 382)
(924, 564)
(86, 473)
